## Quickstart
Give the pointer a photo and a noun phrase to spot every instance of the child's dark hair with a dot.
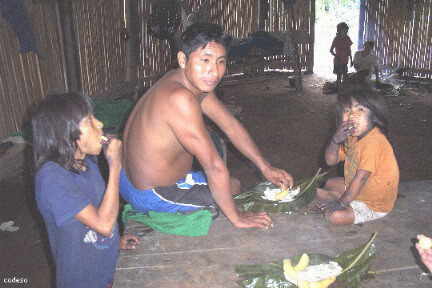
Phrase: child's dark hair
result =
(342, 26)
(367, 98)
(200, 34)
(55, 125)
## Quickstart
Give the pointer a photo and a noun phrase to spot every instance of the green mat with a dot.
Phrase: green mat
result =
(192, 224)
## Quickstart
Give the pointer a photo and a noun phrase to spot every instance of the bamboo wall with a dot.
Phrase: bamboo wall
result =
(101, 43)
(239, 18)
(401, 28)
(300, 18)
(26, 78)
(403, 33)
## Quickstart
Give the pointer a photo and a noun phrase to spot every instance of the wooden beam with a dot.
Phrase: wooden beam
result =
(133, 45)
(71, 67)
(311, 36)
(362, 19)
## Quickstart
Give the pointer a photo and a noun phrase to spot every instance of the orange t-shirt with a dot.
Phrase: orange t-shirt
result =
(373, 153)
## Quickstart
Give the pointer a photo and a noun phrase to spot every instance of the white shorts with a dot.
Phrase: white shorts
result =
(362, 213)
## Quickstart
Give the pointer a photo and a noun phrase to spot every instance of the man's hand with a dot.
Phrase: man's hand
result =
(253, 220)
(278, 177)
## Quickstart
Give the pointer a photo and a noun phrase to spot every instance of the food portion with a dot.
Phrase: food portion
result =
(311, 276)
(425, 242)
(277, 194)
(104, 140)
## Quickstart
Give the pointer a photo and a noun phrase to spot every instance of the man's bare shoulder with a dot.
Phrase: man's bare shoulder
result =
(181, 99)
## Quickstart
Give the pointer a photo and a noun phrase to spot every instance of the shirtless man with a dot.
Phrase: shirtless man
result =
(166, 130)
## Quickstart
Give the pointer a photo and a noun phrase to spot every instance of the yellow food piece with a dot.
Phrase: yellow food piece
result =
(303, 262)
(315, 284)
(303, 284)
(425, 242)
(281, 195)
(289, 269)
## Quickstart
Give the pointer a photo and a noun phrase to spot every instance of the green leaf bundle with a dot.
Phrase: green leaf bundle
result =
(355, 264)
(252, 200)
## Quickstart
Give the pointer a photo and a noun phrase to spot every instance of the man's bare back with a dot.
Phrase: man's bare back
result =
(152, 155)
(166, 130)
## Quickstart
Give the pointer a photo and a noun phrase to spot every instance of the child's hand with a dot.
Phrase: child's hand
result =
(128, 242)
(344, 130)
(113, 152)
(333, 206)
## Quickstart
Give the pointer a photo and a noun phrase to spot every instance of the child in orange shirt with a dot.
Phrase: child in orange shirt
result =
(341, 50)
(369, 187)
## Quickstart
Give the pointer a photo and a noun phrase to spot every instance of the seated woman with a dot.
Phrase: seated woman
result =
(365, 63)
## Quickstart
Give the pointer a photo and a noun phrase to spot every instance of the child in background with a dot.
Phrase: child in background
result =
(369, 187)
(79, 211)
(341, 50)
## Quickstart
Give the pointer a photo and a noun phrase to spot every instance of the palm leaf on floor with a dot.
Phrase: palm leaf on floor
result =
(355, 263)
(252, 200)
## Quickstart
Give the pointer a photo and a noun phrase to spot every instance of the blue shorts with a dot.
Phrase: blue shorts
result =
(188, 194)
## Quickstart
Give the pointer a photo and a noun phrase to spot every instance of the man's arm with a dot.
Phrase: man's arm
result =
(241, 139)
(188, 125)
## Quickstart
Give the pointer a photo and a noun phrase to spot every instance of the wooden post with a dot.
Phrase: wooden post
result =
(361, 24)
(133, 45)
(297, 64)
(71, 69)
(311, 36)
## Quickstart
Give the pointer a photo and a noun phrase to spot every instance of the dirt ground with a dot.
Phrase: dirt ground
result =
(290, 128)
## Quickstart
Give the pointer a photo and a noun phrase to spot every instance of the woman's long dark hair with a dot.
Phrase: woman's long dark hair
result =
(55, 125)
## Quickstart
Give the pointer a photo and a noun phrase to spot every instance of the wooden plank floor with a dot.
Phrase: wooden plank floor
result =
(174, 261)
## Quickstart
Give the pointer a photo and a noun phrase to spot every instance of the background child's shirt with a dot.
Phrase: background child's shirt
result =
(373, 153)
(342, 45)
(83, 257)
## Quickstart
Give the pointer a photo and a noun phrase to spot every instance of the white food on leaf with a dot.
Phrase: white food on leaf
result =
(314, 273)
(425, 242)
(270, 194)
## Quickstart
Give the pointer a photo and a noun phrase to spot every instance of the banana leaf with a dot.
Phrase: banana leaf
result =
(252, 200)
(354, 262)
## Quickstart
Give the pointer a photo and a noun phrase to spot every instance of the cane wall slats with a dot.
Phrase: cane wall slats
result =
(102, 47)
(26, 78)
(402, 31)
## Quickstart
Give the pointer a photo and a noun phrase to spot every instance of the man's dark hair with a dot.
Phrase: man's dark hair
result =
(368, 98)
(55, 126)
(198, 35)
